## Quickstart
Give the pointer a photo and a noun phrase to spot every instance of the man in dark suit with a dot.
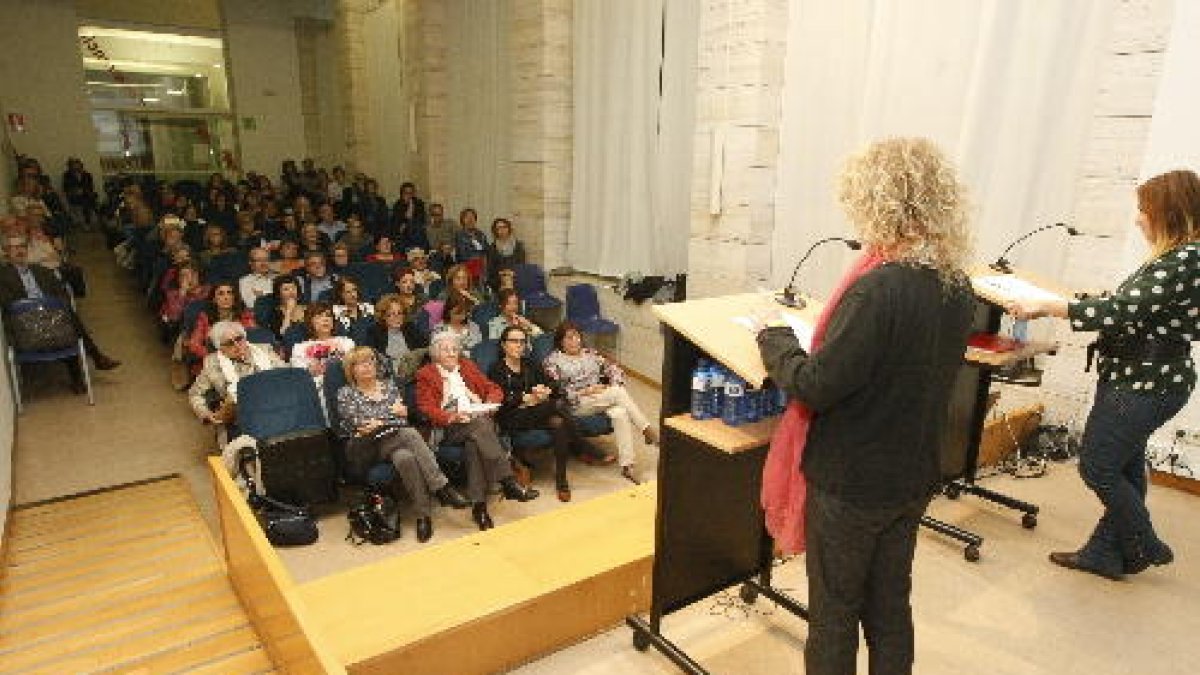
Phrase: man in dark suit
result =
(20, 280)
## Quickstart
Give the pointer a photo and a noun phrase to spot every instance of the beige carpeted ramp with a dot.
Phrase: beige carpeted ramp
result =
(126, 579)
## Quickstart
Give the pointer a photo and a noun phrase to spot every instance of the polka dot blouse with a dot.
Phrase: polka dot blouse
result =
(1160, 301)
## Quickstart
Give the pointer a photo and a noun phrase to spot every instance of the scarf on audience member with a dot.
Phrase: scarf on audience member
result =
(258, 359)
(784, 489)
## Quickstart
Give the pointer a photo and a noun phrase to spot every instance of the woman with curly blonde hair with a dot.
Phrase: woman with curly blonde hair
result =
(868, 404)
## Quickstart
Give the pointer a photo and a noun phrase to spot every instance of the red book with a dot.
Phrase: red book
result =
(992, 342)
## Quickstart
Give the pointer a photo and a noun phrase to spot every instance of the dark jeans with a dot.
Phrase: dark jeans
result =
(1112, 463)
(548, 415)
(859, 565)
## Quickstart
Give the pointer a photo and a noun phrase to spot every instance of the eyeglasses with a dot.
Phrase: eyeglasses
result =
(517, 341)
(233, 340)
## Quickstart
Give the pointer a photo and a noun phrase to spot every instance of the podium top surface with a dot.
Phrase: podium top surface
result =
(709, 324)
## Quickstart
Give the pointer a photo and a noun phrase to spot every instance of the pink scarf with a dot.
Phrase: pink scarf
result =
(784, 489)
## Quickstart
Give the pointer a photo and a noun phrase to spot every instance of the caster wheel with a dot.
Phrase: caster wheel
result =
(1029, 521)
(951, 491)
(748, 594)
(971, 553)
(641, 641)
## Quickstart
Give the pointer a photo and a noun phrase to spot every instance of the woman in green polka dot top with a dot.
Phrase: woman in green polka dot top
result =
(1145, 369)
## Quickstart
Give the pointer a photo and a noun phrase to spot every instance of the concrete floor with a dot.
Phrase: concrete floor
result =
(1012, 612)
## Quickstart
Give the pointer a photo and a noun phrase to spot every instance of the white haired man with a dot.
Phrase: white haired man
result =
(213, 395)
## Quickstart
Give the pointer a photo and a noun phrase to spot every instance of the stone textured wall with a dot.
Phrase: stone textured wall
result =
(540, 170)
(740, 78)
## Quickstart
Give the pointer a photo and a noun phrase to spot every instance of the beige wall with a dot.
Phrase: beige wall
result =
(203, 14)
(47, 86)
(260, 40)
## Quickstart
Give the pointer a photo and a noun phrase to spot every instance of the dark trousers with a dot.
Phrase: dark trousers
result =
(486, 460)
(547, 415)
(1112, 462)
(859, 564)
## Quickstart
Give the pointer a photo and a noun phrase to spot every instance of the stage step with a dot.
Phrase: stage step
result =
(127, 580)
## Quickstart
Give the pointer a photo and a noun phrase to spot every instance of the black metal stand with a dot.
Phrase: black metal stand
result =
(960, 444)
(709, 532)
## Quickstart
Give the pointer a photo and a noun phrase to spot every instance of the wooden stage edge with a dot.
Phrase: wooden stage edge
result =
(1166, 479)
(482, 603)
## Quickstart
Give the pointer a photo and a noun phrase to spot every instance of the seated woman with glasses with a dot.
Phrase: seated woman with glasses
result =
(213, 395)
(451, 392)
(396, 336)
(375, 419)
(530, 403)
(593, 384)
(510, 315)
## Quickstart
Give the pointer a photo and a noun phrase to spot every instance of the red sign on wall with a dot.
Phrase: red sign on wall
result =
(16, 122)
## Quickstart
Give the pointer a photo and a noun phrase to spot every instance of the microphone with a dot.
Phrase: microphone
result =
(1002, 264)
(788, 297)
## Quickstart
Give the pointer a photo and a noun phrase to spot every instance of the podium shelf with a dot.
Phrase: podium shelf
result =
(723, 437)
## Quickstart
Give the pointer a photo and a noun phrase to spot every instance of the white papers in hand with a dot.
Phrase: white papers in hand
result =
(1015, 288)
(473, 408)
(803, 331)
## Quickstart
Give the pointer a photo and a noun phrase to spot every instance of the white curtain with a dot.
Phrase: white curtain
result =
(1005, 87)
(629, 198)
(480, 107)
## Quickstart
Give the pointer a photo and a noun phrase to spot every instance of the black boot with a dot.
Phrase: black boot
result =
(512, 490)
(482, 518)
(448, 496)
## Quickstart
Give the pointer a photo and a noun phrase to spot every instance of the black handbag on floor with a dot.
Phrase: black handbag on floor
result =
(284, 524)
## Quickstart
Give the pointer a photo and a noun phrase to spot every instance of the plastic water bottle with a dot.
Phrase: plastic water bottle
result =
(781, 400)
(1020, 330)
(700, 378)
(753, 402)
(716, 390)
(733, 409)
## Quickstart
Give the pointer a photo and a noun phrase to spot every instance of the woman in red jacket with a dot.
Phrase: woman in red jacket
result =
(453, 393)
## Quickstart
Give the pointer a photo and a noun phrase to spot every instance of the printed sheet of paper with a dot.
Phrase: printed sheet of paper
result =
(803, 331)
(478, 408)
(1015, 288)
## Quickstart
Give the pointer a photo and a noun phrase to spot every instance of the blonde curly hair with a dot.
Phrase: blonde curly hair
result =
(905, 200)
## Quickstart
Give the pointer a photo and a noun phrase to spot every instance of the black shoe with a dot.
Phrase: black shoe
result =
(1070, 560)
(103, 362)
(1164, 557)
(424, 529)
(511, 490)
(482, 518)
(448, 496)
(78, 387)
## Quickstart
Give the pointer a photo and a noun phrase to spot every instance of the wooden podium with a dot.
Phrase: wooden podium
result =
(709, 531)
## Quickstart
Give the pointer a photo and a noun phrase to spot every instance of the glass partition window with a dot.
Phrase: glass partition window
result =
(160, 102)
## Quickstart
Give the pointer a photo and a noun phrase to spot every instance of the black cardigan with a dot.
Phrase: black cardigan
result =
(880, 385)
(516, 385)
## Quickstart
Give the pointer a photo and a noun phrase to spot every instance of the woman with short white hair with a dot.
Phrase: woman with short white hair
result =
(460, 401)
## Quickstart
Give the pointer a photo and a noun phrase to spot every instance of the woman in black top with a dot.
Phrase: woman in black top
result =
(876, 389)
(1145, 369)
(529, 403)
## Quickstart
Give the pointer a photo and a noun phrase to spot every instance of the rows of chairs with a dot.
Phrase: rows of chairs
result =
(300, 446)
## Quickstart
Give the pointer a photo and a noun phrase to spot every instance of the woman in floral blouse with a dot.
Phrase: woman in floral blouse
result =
(593, 384)
(373, 415)
(1146, 374)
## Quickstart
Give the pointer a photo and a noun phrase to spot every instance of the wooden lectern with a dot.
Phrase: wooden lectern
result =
(709, 532)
